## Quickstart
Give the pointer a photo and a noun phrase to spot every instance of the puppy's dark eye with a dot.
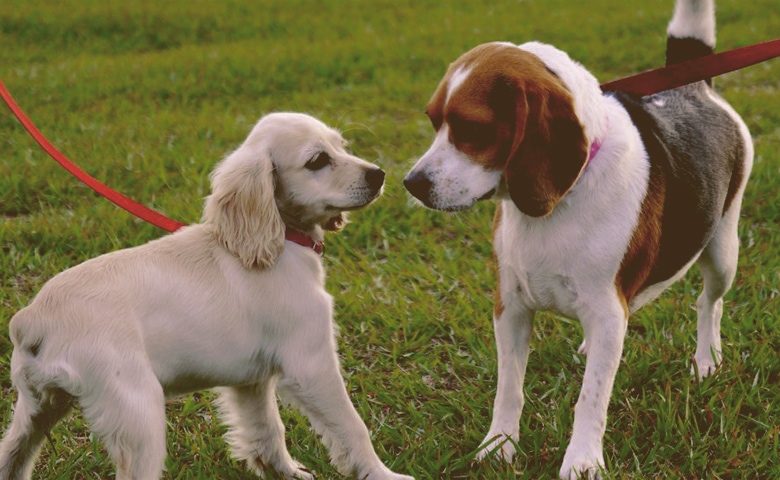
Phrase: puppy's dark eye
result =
(318, 162)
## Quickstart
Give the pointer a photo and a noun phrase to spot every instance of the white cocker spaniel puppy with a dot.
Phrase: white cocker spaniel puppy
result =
(236, 302)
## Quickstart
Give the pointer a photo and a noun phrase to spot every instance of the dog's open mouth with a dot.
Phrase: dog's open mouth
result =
(486, 196)
(459, 208)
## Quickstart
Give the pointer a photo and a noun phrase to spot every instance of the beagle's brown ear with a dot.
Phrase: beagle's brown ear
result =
(549, 149)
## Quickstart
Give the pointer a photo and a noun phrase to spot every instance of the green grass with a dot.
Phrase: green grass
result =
(147, 96)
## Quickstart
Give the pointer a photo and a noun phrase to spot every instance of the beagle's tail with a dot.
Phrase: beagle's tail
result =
(691, 33)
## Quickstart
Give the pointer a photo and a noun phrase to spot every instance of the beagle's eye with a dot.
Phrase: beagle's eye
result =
(472, 132)
(318, 162)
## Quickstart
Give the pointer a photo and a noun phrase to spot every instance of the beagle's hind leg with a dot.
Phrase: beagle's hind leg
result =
(718, 264)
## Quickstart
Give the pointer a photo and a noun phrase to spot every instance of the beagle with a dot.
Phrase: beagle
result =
(604, 200)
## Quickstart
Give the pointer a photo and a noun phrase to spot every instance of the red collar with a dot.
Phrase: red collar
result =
(305, 240)
(595, 146)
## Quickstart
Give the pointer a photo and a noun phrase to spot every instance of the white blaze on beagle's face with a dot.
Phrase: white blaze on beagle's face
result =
(504, 124)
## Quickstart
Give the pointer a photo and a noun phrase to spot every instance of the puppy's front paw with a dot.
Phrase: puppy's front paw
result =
(290, 470)
(499, 445)
(385, 473)
(301, 473)
(393, 476)
(583, 350)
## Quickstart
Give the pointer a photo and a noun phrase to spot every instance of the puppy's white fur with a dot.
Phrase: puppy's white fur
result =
(225, 303)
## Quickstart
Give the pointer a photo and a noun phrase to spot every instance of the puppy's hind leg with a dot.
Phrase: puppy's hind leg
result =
(34, 416)
(256, 432)
(718, 264)
(125, 407)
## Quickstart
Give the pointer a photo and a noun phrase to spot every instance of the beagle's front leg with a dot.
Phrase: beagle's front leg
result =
(604, 330)
(512, 322)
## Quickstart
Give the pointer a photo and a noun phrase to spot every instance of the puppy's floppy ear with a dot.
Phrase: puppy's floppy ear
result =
(242, 208)
(549, 149)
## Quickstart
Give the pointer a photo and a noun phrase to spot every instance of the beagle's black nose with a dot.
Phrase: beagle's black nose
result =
(375, 178)
(419, 185)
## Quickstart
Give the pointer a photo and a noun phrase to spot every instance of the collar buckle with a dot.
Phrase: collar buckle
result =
(304, 240)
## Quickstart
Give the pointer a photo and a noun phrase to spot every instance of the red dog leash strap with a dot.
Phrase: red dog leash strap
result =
(140, 211)
(679, 74)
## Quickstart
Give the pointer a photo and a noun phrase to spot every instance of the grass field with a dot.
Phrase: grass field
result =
(147, 96)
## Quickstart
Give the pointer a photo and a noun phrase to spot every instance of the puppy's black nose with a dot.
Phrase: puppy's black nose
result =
(375, 178)
(419, 185)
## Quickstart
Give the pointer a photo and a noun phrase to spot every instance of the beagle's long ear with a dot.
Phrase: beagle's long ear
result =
(549, 149)
(242, 208)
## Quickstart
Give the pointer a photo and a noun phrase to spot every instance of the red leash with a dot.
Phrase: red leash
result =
(645, 83)
(128, 204)
(679, 74)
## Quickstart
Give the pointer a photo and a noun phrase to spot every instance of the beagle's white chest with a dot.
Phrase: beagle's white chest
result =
(538, 265)
(559, 263)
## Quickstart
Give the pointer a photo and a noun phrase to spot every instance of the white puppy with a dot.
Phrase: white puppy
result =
(233, 302)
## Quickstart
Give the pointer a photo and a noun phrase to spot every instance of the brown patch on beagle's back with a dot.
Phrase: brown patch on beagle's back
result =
(737, 177)
(696, 168)
(642, 253)
(506, 110)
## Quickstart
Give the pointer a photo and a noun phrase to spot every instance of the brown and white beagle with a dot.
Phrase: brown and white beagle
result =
(604, 200)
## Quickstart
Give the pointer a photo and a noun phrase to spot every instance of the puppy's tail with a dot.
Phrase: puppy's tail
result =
(691, 33)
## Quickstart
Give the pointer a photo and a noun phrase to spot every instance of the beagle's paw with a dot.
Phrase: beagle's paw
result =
(582, 465)
(499, 445)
